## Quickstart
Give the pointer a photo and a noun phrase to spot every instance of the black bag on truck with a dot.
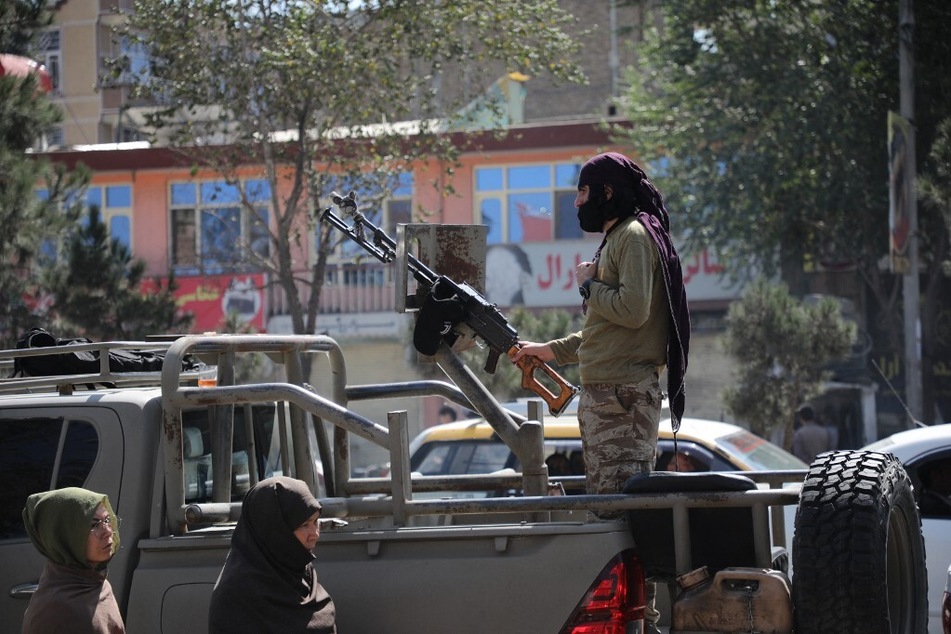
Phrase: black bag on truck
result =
(81, 362)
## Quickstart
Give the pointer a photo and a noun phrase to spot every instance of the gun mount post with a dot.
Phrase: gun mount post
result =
(401, 480)
(526, 440)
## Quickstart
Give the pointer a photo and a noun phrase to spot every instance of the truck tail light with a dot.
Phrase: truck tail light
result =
(614, 604)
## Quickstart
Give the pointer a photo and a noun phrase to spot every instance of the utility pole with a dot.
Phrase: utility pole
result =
(911, 292)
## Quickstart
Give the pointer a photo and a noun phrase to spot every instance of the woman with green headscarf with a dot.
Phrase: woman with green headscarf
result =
(78, 533)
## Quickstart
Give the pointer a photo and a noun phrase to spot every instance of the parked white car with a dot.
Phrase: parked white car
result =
(919, 451)
(946, 605)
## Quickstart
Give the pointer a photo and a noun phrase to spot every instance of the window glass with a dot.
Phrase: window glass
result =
(758, 453)
(404, 185)
(184, 252)
(115, 210)
(79, 454)
(221, 232)
(491, 213)
(28, 450)
(528, 203)
(119, 196)
(567, 176)
(399, 212)
(219, 192)
(533, 177)
(385, 205)
(259, 236)
(258, 191)
(183, 194)
(488, 179)
(94, 197)
(566, 217)
(197, 444)
(530, 217)
(120, 228)
(434, 462)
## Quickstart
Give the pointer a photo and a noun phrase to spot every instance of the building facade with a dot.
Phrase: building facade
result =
(521, 186)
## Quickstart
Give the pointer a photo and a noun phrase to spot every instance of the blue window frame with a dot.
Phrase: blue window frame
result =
(527, 203)
(115, 210)
(219, 227)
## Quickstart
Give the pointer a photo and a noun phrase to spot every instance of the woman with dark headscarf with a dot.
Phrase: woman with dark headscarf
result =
(78, 533)
(268, 583)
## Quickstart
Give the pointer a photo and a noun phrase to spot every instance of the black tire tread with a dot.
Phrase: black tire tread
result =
(840, 570)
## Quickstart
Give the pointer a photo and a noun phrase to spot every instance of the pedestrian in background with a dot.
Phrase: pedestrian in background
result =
(78, 533)
(447, 414)
(811, 439)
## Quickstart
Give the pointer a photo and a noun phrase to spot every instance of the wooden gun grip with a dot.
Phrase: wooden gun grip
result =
(556, 402)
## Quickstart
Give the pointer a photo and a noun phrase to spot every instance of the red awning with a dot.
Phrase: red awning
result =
(20, 66)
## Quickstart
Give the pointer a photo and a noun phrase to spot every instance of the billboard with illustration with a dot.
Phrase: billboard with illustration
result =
(542, 274)
(210, 298)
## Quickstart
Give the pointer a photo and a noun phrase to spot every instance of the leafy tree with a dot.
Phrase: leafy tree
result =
(26, 221)
(781, 347)
(771, 117)
(96, 289)
(307, 89)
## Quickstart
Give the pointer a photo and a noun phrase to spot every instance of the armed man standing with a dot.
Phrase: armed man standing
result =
(637, 323)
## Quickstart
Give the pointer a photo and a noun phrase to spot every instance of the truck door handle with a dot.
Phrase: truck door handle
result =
(24, 590)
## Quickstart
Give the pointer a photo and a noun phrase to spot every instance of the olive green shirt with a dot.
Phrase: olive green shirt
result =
(624, 338)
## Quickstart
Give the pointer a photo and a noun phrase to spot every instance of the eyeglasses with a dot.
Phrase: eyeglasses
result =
(100, 525)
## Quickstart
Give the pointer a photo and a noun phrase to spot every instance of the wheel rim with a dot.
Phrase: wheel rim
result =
(900, 573)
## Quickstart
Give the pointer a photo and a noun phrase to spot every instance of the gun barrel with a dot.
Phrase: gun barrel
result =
(382, 247)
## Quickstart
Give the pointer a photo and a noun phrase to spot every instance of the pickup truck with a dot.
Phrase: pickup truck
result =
(175, 460)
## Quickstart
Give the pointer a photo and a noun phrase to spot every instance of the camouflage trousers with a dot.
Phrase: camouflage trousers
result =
(618, 431)
(619, 438)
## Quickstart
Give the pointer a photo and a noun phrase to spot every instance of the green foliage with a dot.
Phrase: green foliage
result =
(773, 118)
(19, 22)
(283, 82)
(25, 220)
(96, 289)
(781, 346)
(768, 122)
(506, 383)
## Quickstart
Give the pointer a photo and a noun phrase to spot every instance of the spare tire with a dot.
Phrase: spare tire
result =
(858, 554)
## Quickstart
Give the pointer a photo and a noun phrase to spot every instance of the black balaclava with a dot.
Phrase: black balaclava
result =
(611, 169)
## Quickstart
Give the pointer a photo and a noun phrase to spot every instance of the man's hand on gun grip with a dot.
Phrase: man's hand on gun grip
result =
(541, 350)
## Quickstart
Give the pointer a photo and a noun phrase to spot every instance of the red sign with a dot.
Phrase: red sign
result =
(210, 298)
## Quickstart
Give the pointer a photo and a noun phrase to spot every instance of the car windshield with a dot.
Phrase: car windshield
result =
(758, 453)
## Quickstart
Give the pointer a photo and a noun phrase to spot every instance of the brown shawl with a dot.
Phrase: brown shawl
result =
(71, 597)
(268, 583)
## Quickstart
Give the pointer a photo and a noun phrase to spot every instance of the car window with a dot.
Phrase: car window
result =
(485, 456)
(694, 457)
(931, 477)
(29, 448)
(758, 453)
(563, 457)
(460, 457)
(265, 440)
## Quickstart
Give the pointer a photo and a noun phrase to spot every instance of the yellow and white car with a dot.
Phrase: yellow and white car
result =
(472, 447)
